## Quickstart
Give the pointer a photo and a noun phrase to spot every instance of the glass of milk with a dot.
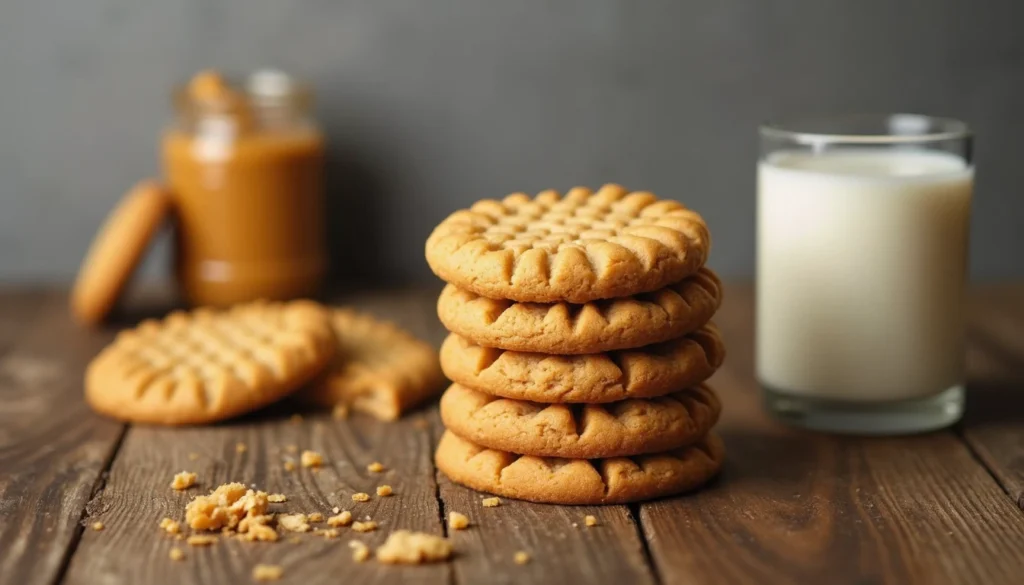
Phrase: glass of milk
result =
(861, 266)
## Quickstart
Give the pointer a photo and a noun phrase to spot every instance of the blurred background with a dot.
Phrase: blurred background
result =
(430, 105)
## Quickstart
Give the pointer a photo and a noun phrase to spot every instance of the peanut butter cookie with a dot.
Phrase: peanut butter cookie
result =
(206, 366)
(617, 480)
(378, 368)
(117, 250)
(597, 326)
(581, 431)
(648, 371)
(580, 248)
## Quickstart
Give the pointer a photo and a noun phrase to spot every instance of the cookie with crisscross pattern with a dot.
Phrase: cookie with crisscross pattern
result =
(206, 365)
(378, 368)
(644, 372)
(578, 248)
(616, 480)
(597, 326)
(581, 431)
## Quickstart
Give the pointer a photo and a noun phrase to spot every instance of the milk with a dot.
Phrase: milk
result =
(861, 267)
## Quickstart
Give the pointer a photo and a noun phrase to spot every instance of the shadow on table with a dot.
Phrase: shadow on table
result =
(994, 401)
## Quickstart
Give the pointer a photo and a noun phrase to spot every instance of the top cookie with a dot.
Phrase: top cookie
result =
(583, 247)
(378, 368)
(206, 365)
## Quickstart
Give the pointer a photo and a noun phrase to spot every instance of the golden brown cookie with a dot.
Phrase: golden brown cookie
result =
(583, 247)
(567, 329)
(648, 371)
(379, 368)
(581, 431)
(617, 480)
(207, 365)
(116, 250)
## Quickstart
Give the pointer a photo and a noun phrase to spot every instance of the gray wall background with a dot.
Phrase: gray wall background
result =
(431, 104)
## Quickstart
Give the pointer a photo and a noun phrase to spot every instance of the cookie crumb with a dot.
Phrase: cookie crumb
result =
(176, 554)
(412, 548)
(521, 558)
(311, 459)
(361, 497)
(97, 526)
(342, 519)
(340, 412)
(375, 467)
(335, 509)
(240, 448)
(257, 528)
(590, 521)
(457, 521)
(170, 526)
(368, 526)
(183, 480)
(201, 540)
(491, 502)
(360, 552)
(295, 419)
(329, 533)
(315, 517)
(267, 572)
(231, 505)
(193, 456)
(277, 498)
(289, 466)
(293, 522)
(384, 491)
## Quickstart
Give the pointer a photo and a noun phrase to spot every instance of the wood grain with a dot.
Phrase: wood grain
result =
(994, 423)
(132, 550)
(799, 507)
(52, 448)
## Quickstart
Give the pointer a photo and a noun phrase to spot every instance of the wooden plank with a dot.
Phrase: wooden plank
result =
(994, 422)
(52, 448)
(19, 310)
(561, 547)
(800, 507)
(137, 495)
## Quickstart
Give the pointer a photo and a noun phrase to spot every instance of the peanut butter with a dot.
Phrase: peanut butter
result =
(246, 172)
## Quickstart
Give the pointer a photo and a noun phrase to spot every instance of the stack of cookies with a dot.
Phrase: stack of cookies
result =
(580, 342)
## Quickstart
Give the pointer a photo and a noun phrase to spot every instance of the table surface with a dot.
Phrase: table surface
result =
(790, 506)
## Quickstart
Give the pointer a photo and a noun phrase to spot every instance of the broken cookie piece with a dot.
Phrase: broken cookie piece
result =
(183, 480)
(412, 548)
(293, 522)
(267, 572)
(227, 506)
(457, 521)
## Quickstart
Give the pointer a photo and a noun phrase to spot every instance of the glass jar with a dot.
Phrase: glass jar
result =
(245, 167)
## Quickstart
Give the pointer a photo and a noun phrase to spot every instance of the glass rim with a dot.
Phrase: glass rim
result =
(939, 129)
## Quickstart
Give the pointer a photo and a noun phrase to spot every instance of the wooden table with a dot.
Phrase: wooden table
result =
(790, 507)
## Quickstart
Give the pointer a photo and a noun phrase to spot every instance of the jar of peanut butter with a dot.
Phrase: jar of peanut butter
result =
(245, 168)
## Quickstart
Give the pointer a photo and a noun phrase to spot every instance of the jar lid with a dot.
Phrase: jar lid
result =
(117, 249)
